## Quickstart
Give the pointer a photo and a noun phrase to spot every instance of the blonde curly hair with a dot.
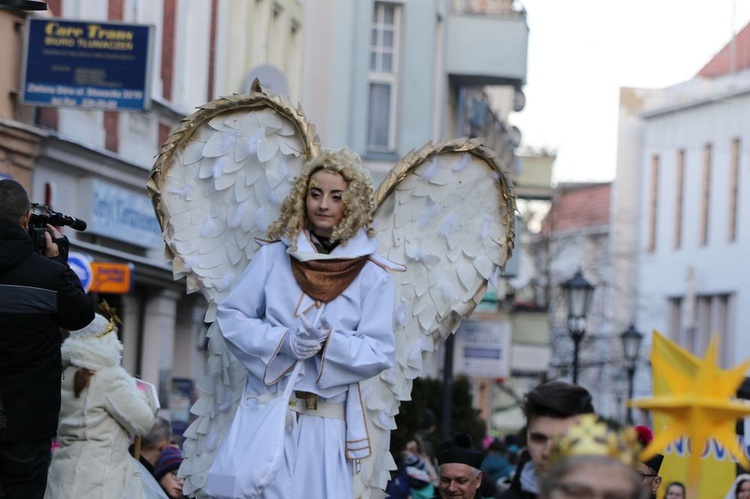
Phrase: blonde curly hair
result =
(357, 198)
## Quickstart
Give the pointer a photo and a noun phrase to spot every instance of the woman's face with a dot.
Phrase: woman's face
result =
(325, 205)
(674, 492)
(744, 490)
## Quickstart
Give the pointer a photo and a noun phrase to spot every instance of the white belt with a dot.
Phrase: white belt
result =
(325, 409)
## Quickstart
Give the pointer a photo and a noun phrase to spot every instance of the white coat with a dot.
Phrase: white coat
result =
(255, 318)
(93, 459)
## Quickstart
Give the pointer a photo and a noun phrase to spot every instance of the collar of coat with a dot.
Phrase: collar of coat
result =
(324, 280)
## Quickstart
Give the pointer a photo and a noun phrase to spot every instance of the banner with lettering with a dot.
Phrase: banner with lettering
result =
(87, 64)
(717, 469)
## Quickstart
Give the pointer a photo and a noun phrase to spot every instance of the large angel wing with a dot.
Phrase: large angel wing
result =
(217, 184)
(447, 212)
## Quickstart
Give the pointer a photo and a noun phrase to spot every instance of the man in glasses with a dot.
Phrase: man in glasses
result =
(649, 470)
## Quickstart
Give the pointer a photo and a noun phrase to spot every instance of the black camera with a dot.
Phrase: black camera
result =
(42, 215)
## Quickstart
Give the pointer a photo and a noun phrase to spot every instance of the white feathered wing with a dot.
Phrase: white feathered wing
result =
(216, 185)
(447, 212)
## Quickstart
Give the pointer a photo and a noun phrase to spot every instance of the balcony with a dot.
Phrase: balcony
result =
(487, 43)
(534, 179)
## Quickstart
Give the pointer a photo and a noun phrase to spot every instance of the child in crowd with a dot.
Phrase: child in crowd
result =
(165, 471)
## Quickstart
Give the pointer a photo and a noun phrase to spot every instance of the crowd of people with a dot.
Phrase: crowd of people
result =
(544, 468)
(111, 443)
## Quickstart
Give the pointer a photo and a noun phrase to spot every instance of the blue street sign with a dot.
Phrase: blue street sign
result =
(81, 265)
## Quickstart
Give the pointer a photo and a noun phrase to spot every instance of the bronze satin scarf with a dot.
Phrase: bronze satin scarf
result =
(324, 280)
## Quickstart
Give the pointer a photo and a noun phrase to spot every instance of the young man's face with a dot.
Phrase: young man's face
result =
(540, 434)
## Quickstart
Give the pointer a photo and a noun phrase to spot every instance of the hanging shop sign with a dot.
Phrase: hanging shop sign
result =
(90, 65)
(110, 277)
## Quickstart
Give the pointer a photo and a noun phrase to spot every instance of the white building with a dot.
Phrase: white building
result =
(682, 195)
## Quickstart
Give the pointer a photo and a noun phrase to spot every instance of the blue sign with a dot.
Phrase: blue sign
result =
(80, 263)
(119, 214)
(87, 64)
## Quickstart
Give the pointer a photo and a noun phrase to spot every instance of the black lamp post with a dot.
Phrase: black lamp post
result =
(578, 292)
(631, 346)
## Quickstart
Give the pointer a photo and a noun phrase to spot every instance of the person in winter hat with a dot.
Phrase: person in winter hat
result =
(459, 467)
(420, 481)
(101, 406)
(165, 471)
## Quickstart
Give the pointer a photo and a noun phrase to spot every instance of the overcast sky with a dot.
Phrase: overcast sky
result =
(581, 53)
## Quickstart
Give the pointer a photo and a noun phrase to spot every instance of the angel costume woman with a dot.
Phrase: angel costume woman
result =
(321, 296)
(101, 405)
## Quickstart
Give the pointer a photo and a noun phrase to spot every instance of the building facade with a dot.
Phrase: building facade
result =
(387, 77)
(685, 183)
(94, 164)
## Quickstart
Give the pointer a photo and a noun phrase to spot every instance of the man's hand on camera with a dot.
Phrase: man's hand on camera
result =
(57, 246)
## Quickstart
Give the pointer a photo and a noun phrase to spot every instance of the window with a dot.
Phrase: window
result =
(293, 61)
(705, 193)
(679, 198)
(654, 199)
(277, 36)
(674, 320)
(693, 320)
(383, 75)
(734, 181)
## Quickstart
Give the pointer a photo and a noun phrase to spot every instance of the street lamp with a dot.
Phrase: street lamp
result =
(578, 292)
(631, 346)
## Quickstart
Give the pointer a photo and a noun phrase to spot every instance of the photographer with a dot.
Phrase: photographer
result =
(38, 295)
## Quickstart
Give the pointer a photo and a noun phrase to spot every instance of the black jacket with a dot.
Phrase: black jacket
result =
(515, 491)
(37, 297)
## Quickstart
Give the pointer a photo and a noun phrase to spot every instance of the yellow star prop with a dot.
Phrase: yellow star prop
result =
(697, 405)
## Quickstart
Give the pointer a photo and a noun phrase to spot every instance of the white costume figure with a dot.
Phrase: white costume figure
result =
(278, 300)
(445, 212)
(93, 458)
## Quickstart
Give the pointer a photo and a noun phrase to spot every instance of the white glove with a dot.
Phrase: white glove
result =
(318, 333)
(298, 346)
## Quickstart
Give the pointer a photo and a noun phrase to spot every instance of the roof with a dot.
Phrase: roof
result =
(721, 65)
(578, 207)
